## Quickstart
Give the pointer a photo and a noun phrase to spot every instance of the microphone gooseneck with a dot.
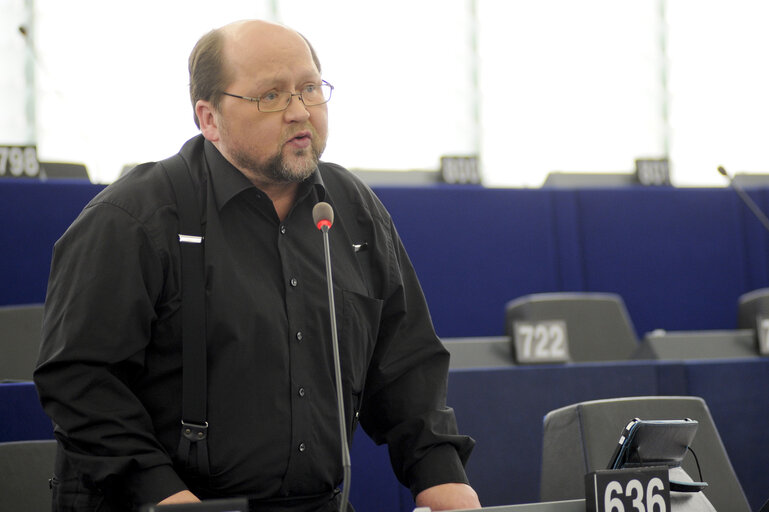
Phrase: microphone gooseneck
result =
(323, 217)
(746, 199)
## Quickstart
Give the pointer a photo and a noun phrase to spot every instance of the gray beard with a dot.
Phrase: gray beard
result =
(275, 169)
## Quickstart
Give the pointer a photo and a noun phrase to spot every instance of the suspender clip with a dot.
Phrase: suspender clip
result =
(193, 431)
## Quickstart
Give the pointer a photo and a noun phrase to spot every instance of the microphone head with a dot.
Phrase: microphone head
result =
(323, 215)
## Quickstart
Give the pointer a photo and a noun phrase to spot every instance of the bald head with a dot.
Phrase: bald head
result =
(241, 47)
(259, 32)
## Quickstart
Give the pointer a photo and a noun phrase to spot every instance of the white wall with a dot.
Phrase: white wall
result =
(14, 125)
(719, 62)
(569, 86)
(583, 87)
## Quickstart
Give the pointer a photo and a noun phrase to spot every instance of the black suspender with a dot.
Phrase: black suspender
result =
(193, 449)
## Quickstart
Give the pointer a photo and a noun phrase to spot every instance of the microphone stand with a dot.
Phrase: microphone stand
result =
(338, 376)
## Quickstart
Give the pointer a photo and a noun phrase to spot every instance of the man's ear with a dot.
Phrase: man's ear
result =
(207, 119)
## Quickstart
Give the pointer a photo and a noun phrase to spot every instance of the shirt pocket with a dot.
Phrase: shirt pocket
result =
(357, 336)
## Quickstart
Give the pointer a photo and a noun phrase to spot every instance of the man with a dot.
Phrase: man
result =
(110, 368)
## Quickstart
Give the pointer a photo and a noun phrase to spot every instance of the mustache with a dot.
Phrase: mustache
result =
(305, 131)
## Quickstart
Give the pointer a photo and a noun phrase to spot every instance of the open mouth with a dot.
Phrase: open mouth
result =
(301, 136)
(301, 139)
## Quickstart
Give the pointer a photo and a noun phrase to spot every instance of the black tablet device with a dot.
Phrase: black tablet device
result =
(656, 443)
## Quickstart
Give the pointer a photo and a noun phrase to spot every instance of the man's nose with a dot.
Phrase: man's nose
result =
(296, 110)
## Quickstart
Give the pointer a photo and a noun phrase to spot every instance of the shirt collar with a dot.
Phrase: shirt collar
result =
(227, 181)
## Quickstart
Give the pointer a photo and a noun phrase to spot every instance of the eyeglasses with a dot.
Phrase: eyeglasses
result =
(275, 101)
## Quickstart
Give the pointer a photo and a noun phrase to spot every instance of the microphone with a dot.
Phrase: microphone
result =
(746, 199)
(323, 217)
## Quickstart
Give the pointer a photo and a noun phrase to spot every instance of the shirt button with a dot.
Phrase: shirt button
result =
(282, 229)
(294, 282)
(302, 447)
(299, 335)
(301, 392)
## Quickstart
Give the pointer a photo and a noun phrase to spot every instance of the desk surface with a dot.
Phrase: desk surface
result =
(549, 506)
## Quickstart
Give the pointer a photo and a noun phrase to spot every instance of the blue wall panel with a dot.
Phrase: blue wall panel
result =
(34, 215)
(473, 248)
(679, 258)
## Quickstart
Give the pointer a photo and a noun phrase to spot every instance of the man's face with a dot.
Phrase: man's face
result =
(271, 147)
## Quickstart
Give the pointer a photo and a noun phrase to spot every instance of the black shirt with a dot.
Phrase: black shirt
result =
(109, 373)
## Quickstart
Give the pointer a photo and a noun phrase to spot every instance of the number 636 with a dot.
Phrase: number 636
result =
(650, 501)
